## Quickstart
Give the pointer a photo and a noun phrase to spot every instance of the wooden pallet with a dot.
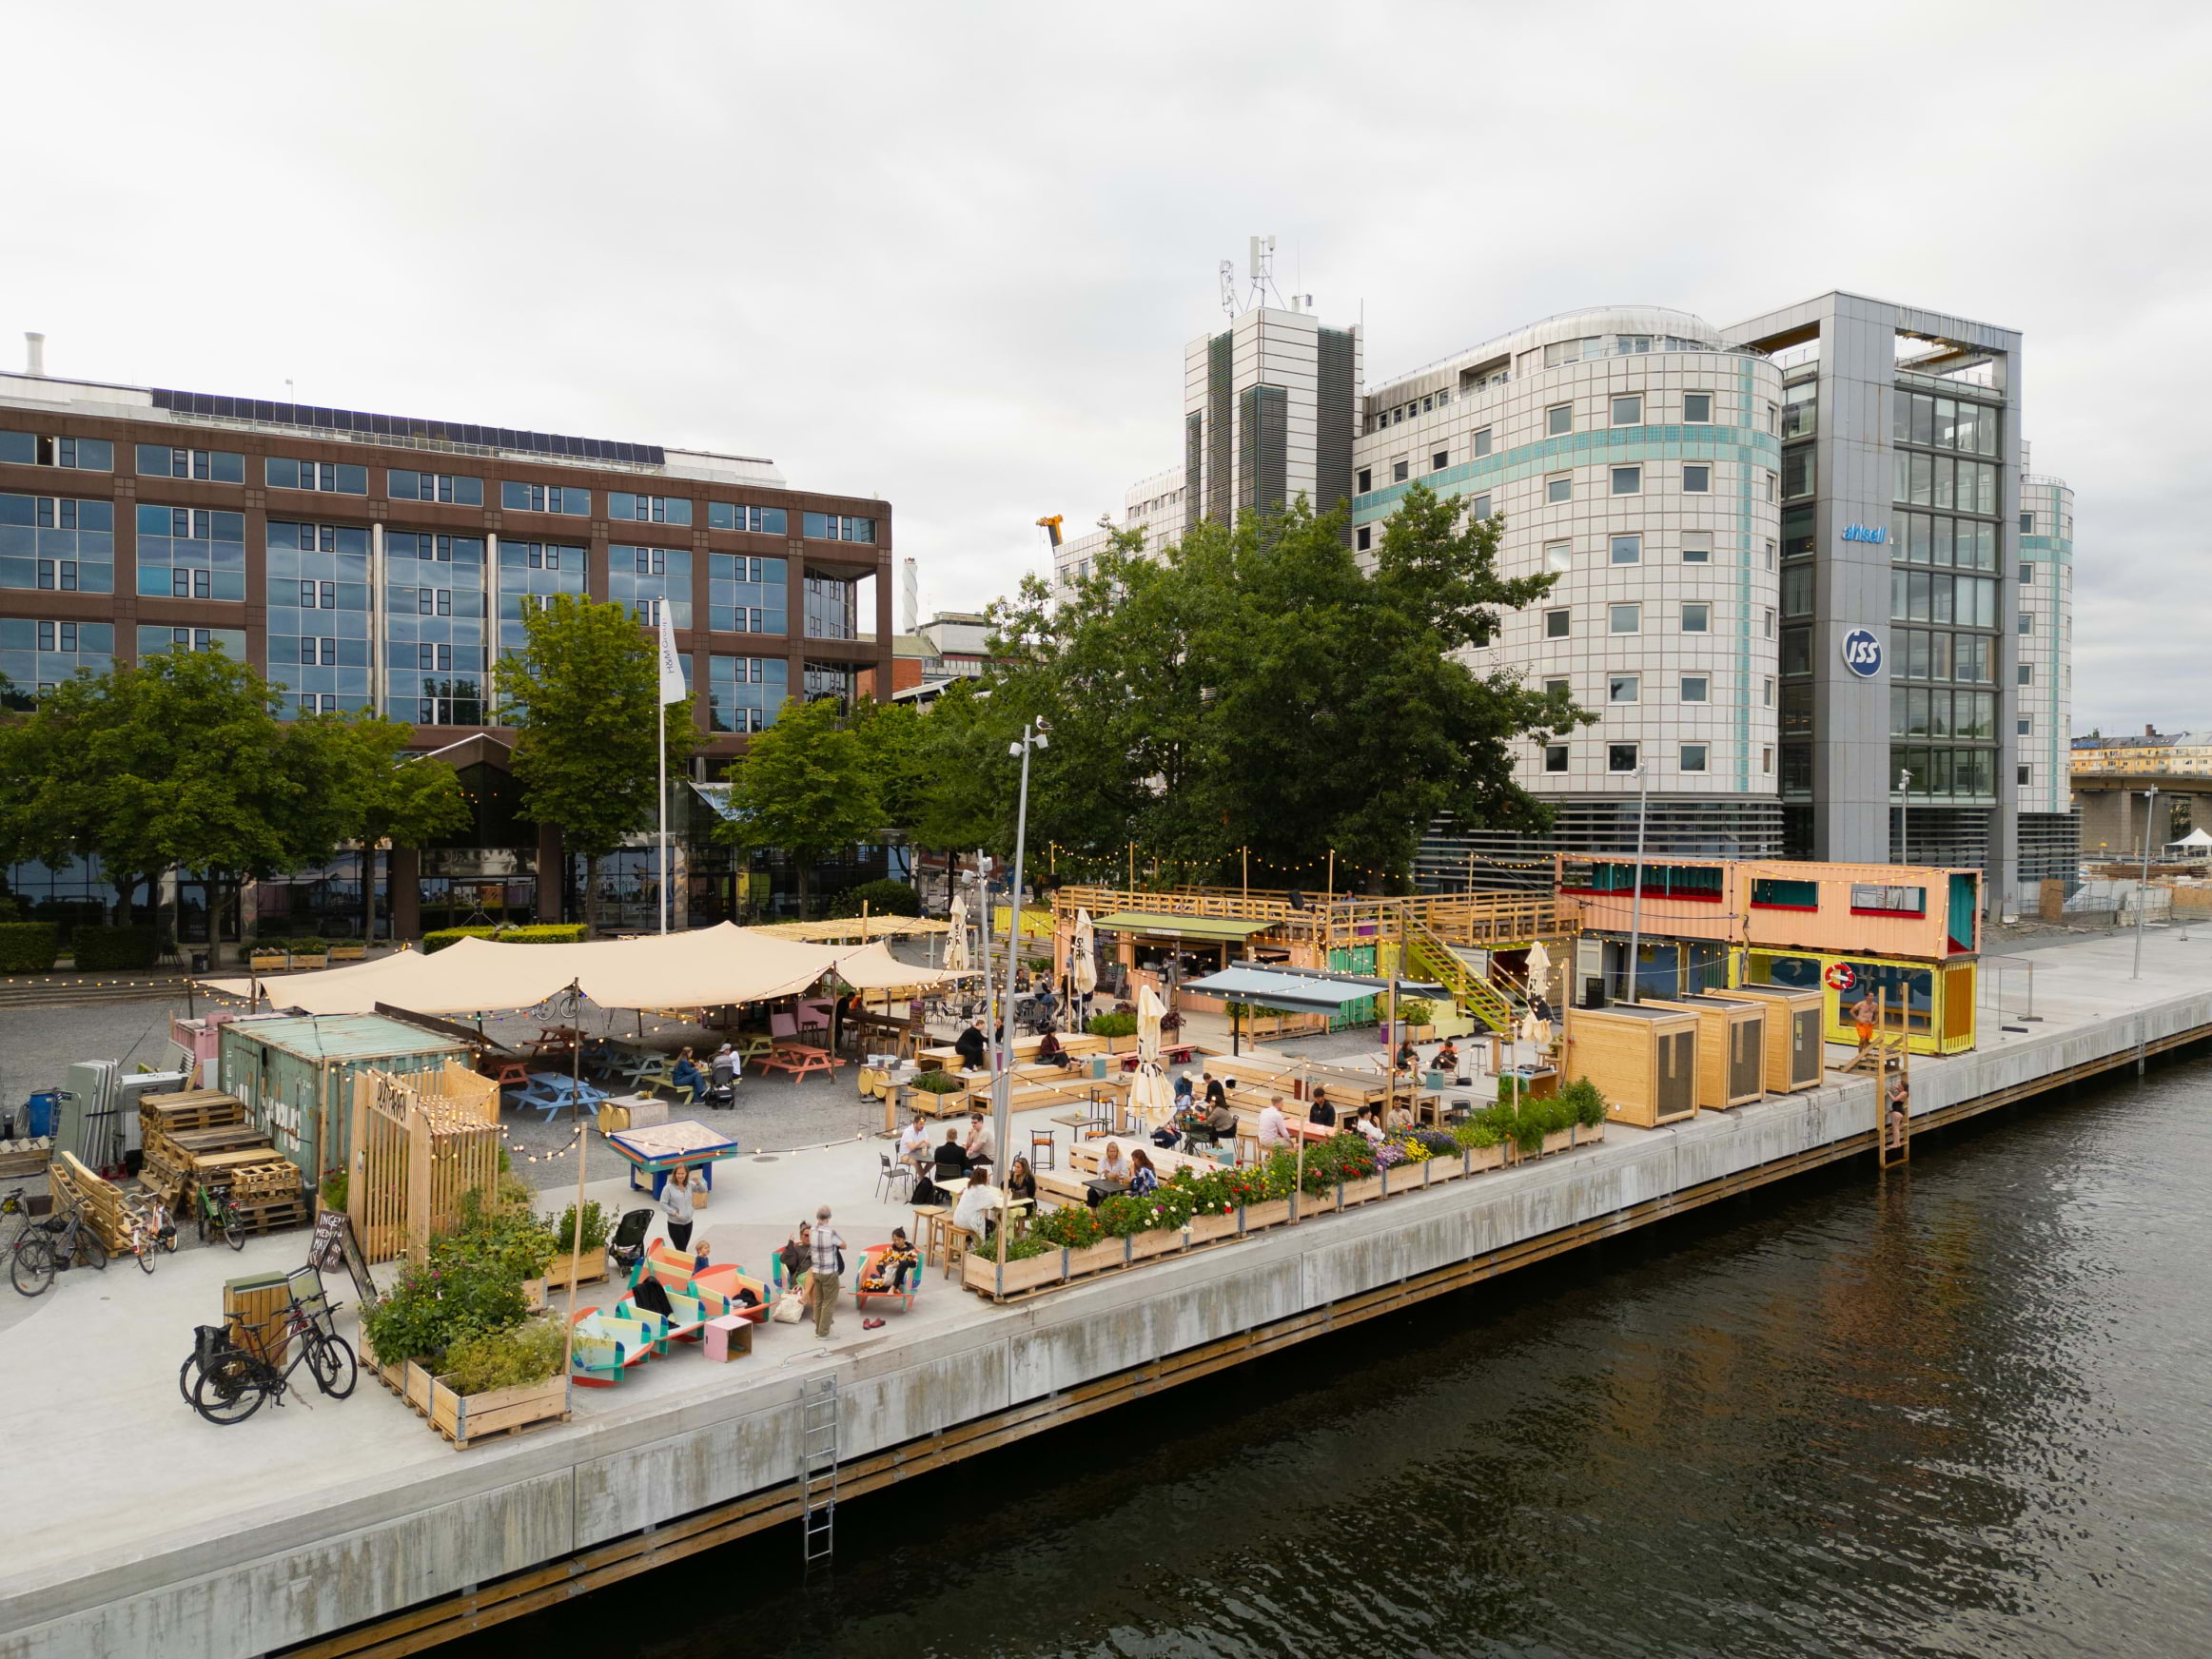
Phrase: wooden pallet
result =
(100, 1199)
(273, 1216)
(188, 1109)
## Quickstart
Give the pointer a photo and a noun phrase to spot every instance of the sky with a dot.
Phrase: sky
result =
(950, 254)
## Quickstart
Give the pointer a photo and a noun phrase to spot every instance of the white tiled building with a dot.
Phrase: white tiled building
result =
(2046, 706)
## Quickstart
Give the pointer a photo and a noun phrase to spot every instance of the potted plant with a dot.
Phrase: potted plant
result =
(330, 1194)
(270, 958)
(1119, 1030)
(1588, 1107)
(1032, 1263)
(1418, 1016)
(501, 1379)
(309, 952)
(348, 949)
(584, 1265)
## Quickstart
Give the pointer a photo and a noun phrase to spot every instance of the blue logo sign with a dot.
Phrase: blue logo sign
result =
(1875, 533)
(1862, 653)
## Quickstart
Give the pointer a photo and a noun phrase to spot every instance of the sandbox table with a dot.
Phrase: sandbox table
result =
(658, 1148)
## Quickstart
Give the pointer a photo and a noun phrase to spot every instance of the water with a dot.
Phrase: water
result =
(1966, 1411)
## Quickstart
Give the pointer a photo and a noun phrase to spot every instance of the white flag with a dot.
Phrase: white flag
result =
(673, 689)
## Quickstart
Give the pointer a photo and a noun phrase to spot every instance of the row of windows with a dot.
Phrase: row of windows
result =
(1627, 410)
(1943, 422)
(1628, 688)
(1916, 711)
(92, 455)
(1931, 538)
(1938, 480)
(1935, 596)
(1697, 617)
(1628, 757)
(37, 656)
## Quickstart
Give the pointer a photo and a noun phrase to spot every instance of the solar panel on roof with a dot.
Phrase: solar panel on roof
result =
(405, 427)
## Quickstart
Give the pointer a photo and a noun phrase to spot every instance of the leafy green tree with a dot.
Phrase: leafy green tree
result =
(366, 789)
(806, 786)
(891, 744)
(581, 695)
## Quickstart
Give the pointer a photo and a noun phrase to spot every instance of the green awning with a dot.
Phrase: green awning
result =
(1217, 929)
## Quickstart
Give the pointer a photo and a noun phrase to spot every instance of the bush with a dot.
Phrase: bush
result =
(515, 1357)
(1112, 1025)
(938, 1083)
(1416, 1011)
(538, 933)
(335, 1186)
(883, 898)
(596, 1229)
(1582, 1099)
(28, 947)
(308, 947)
(94, 948)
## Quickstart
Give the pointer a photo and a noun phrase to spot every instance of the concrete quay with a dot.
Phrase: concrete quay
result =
(350, 1528)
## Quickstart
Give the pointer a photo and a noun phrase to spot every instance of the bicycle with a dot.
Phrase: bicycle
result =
(151, 1231)
(236, 1377)
(53, 1246)
(215, 1209)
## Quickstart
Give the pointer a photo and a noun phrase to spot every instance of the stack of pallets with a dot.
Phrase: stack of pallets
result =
(200, 1138)
(101, 1201)
(262, 1184)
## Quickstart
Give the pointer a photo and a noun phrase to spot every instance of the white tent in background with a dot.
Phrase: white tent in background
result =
(872, 968)
(2196, 844)
(1150, 1096)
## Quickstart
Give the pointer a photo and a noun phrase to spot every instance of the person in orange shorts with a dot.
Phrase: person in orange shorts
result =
(1863, 1018)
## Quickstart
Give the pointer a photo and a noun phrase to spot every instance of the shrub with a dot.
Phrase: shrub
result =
(538, 933)
(95, 948)
(28, 947)
(1582, 1097)
(938, 1083)
(1112, 1025)
(883, 898)
(596, 1229)
(335, 1186)
(308, 947)
(1343, 1157)
(1027, 1245)
(514, 1356)
(1416, 1011)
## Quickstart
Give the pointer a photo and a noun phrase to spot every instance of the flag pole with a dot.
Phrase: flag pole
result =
(660, 756)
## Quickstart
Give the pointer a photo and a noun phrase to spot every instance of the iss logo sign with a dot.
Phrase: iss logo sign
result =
(1862, 653)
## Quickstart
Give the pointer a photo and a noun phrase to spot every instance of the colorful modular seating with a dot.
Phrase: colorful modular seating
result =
(717, 1286)
(608, 1340)
(686, 1317)
(871, 1267)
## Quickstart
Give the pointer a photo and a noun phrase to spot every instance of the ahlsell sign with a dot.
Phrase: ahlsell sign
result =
(1876, 533)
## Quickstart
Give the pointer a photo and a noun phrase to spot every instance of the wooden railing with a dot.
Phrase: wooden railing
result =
(1456, 918)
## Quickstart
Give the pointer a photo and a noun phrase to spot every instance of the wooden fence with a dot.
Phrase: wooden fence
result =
(1346, 919)
(420, 1144)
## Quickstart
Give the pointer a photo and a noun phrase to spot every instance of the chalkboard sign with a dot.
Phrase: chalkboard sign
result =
(334, 1245)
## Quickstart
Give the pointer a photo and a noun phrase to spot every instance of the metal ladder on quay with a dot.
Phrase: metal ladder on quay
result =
(818, 1469)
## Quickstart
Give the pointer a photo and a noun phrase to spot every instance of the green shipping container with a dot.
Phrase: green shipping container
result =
(296, 1075)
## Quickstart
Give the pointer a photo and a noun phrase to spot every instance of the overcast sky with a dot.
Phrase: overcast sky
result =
(950, 254)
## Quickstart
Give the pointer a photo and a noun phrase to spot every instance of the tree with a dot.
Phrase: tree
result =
(581, 695)
(891, 738)
(805, 784)
(369, 790)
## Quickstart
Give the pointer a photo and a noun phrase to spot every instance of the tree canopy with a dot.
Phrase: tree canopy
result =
(808, 785)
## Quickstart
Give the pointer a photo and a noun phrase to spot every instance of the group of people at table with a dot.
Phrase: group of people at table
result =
(959, 1168)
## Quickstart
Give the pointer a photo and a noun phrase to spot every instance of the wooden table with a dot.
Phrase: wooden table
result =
(658, 1148)
(798, 1058)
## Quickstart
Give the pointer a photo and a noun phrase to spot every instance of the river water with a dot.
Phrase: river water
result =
(1963, 1410)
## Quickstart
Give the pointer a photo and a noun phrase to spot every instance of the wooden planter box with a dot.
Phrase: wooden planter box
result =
(1484, 1158)
(1558, 1141)
(1163, 1242)
(981, 1273)
(467, 1418)
(585, 1269)
(1359, 1192)
(268, 961)
(1582, 1136)
(1096, 1257)
(349, 953)
(1310, 1204)
(415, 1385)
(1206, 1229)
(320, 961)
(1445, 1167)
(1273, 1213)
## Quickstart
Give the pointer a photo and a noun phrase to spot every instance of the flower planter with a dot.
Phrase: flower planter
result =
(415, 1386)
(1558, 1141)
(467, 1418)
(1483, 1157)
(1206, 1229)
(268, 961)
(349, 953)
(1272, 1213)
(1310, 1204)
(535, 1293)
(1160, 1241)
(318, 961)
(584, 1269)
(1097, 1257)
(1359, 1192)
(982, 1272)
(1444, 1167)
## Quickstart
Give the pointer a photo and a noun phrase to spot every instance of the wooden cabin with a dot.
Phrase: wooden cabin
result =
(1794, 1040)
(1732, 1061)
(1642, 1057)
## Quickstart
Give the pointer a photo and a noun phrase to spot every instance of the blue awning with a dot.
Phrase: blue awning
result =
(1303, 991)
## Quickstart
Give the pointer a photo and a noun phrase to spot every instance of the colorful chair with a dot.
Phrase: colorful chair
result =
(870, 1261)
(718, 1287)
(609, 1341)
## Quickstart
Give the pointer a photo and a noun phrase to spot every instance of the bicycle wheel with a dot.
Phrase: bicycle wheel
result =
(229, 1390)
(233, 1229)
(145, 1252)
(187, 1373)
(86, 1250)
(331, 1359)
(31, 1268)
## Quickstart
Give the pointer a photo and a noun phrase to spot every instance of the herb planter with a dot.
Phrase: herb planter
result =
(1273, 1213)
(1158, 1241)
(1483, 1157)
(1097, 1257)
(1578, 1136)
(1359, 1192)
(320, 960)
(982, 1272)
(1558, 1141)
(1206, 1229)
(466, 1418)
(566, 1270)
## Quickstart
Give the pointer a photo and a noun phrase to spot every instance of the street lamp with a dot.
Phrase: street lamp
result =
(1904, 822)
(1002, 1081)
(2142, 888)
(1635, 909)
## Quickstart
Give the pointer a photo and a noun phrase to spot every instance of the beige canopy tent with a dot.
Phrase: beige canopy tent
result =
(699, 970)
(852, 928)
(872, 968)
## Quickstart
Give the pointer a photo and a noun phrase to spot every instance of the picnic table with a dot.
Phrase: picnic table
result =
(798, 1058)
(554, 1092)
(553, 1040)
(657, 1149)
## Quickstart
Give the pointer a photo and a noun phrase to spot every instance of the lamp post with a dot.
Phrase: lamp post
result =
(1636, 911)
(2142, 888)
(1903, 823)
(1002, 1082)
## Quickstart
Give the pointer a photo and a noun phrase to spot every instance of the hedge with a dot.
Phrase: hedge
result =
(28, 947)
(543, 934)
(883, 898)
(94, 948)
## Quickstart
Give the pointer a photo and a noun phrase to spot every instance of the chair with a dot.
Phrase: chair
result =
(718, 1286)
(958, 1242)
(905, 1298)
(782, 1028)
(1044, 1149)
(892, 1175)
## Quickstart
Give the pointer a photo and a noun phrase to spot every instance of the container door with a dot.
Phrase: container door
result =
(1677, 1073)
(1805, 1053)
(1743, 1069)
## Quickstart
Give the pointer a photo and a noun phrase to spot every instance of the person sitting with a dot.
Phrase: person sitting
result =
(1050, 1053)
(914, 1143)
(1021, 1182)
(702, 1257)
(889, 1270)
(981, 1144)
(1408, 1056)
(970, 1046)
(798, 1256)
(951, 1162)
(687, 1075)
(1274, 1131)
(1113, 1164)
(1182, 1092)
(1321, 1112)
(1215, 1094)
(978, 1206)
(1369, 1124)
(1447, 1059)
(1220, 1123)
(1169, 1133)
(1142, 1176)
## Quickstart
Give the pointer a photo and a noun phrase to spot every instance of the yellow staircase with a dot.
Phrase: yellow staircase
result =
(1430, 957)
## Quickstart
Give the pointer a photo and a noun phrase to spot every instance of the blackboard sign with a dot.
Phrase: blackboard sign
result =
(334, 1245)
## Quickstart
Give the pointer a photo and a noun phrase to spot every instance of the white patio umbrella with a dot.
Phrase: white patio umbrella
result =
(956, 941)
(1083, 969)
(1540, 970)
(1150, 1094)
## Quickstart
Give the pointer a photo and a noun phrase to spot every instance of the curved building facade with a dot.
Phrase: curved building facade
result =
(1636, 457)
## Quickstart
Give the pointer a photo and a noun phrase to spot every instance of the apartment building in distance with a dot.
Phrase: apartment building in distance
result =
(372, 561)
(1797, 577)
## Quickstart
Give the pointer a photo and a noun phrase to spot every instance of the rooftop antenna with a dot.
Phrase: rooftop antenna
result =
(1229, 288)
(1263, 272)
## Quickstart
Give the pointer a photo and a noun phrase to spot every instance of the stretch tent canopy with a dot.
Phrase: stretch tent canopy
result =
(872, 968)
(699, 970)
(1302, 992)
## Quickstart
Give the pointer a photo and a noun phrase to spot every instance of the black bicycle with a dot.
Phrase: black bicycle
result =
(53, 1246)
(235, 1375)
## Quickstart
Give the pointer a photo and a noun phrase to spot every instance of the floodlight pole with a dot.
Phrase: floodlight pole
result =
(1001, 1083)
(2142, 888)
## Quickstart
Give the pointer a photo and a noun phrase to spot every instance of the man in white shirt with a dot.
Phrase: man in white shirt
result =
(914, 1143)
(1274, 1127)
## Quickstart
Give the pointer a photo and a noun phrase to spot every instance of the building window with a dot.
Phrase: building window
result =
(214, 466)
(91, 454)
(1554, 757)
(1766, 479)
(1629, 410)
(1621, 757)
(1366, 479)
(1559, 555)
(1555, 624)
(331, 478)
(1365, 537)
(2027, 524)
(1440, 460)
(1797, 472)
(1482, 445)
(1697, 408)
(2026, 574)
(1769, 555)
(1559, 420)
(1798, 591)
(753, 520)
(1479, 509)
(1397, 472)
(1695, 688)
(649, 509)
(1560, 487)
(1627, 550)
(1769, 702)
(2024, 728)
(1694, 757)
(1697, 617)
(1623, 688)
(1558, 688)
(1697, 547)
(1625, 618)
(1628, 480)
(1868, 899)
(2026, 674)
(1767, 758)
(1696, 479)
(833, 527)
(2027, 622)
(546, 498)
(1769, 633)
(2025, 776)
(453, 487)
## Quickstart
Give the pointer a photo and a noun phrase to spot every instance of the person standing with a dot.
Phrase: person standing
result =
(1863, 1012)
(675, 1203)
(828, 1269)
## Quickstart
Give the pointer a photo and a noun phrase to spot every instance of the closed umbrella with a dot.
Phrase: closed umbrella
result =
(1082, 969)
(1150, 1096)
(1540, 970)
(956, 941)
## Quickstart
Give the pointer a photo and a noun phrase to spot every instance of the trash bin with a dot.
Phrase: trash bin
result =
(39, 1114)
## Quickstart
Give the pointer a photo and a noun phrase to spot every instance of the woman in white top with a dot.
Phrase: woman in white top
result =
(979, 1201)
(1113, 1165)
(675, 1203)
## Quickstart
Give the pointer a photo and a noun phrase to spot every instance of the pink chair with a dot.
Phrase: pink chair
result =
(783, 1028)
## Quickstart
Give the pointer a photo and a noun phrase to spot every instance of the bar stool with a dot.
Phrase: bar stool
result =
(1044, 1149)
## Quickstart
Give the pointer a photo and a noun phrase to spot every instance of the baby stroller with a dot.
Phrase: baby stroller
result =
(627, 1247)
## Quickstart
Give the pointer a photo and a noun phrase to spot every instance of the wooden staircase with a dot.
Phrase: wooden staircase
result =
(1428, 955)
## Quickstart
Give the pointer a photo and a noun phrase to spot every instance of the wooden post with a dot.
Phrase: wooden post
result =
(1246, 853)
(1133, 871)
(576, 1237)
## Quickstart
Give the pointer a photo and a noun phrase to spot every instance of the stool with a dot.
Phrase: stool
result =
(932, 1221)
(1044, 1150)
(958, 1242)
(728, 1338)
